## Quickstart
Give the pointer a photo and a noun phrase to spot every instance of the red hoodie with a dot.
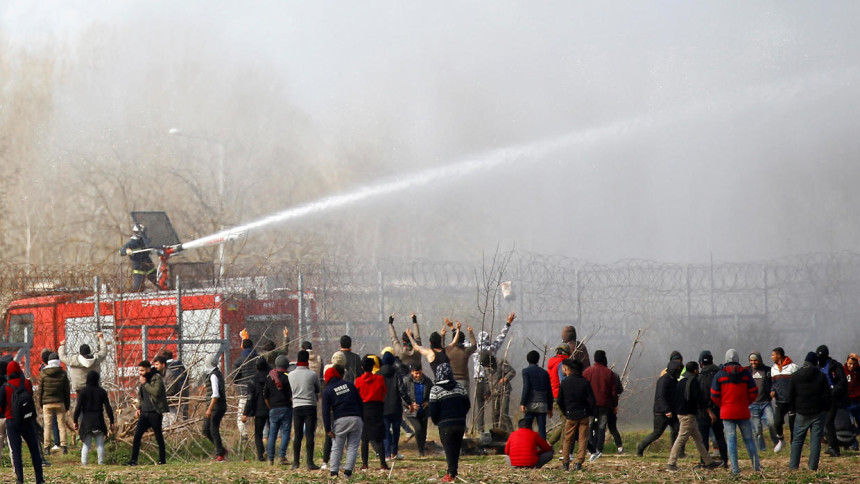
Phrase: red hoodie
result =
(371, 387)
(524, 446)
(733, 390)
(13, 369)
(552, 369)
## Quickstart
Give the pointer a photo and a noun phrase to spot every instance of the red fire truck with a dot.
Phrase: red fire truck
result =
(138, 326)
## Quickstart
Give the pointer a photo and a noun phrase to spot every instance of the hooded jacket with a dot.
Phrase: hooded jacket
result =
(55, 386)
(808, 391)
(176, 378)
(838, 384)
(15, 379)
(575, 397)
(340, 399)
(780, 377)
(578, 351)
(762, 379)
(393, 381)
(80, 365)
(256, 406)
(449, 401)
(553, 367)
(664, 393)
(733, 390)
(687, 395)
(152, 394)
(88, 411)
(484, 344)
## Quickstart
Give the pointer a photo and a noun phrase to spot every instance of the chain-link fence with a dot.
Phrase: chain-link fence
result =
(795, 302)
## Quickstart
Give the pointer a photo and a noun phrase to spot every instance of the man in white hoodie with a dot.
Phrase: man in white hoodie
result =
(79, 365)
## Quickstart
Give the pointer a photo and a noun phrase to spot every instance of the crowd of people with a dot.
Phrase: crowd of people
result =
(366, 401)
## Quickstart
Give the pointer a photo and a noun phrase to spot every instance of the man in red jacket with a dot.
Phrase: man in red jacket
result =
(603, 386)
(852, 374)
(526, 448)
(371, 388)
(733, 390)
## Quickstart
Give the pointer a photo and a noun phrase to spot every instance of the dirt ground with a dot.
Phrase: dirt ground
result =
(473, 469)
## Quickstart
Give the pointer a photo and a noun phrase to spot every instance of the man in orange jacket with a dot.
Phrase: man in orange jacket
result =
(526, 448)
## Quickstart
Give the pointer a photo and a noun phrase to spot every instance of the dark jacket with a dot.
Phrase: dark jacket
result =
(836, 381)
(619, 388)
(706, 378)
(278, 397)
(602, 383)
(244, 369)
(88, 411)
(575, 397)
(664, 393)
(151, 394)
(762, 380)
(256, 404)
(340, 398)
(578, 351)
(536, 385)
(175, 379)
(55, 387)
(688, 395)
(393, 382)
(808, 391)
(353, 365)
(407, 392)
(449, 404)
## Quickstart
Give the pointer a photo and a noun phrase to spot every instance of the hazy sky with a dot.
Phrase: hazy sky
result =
(704, 127)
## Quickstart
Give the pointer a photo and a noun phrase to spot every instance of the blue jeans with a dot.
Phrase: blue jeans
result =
(762, 412)
(280, 421)
(392, 433)
(541, 421)
(854, 412)
(814, 424)
(731, 427)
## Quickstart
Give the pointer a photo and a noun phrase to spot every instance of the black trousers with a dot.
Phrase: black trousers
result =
(780, 410)
(148, 420)
(259, 426)
(661, 421)
(27, 433)
(830, 428)
(419, 425)
(212, 429)
(705, 428)
(304, 418)
(452, 441)
(613, 428)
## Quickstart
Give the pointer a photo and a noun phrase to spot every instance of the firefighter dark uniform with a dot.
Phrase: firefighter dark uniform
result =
(141, 263)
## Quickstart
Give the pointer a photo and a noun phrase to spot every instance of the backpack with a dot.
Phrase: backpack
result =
(23, 405)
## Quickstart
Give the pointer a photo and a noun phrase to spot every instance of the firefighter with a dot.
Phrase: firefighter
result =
(141, 262)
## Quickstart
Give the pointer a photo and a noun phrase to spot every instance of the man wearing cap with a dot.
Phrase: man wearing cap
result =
(852, 376)
(780, 376)
(54, 395)
(838, 384)
(554, 368)
(760, 409)
(809, 397)
(709, 413)
(342, 419)
(279, 396)
(733, 390)
(79, 365)
(217, 397)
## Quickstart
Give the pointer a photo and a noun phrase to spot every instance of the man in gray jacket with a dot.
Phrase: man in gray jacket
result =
(79, 365)
(306, 389)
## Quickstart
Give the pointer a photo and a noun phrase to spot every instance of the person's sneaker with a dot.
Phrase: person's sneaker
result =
(130, 463)
(323, 466)
(832, 452)
(294, 466)
(220, 458)
(47, 450)
(855, 446)
(283, 461)
(715, 464)
(363, 467)
(384, 467)
(65, 449)
(332, 474)
(577, 467)
(780, 444)
(447, 478)
(56, 447)
(271, 463)
(639, 454)
(620, 451)
(595, 456)
(313, 467)
(161, 463)
(566, 466)
(671, 467)
(399, 457)
(347, 473)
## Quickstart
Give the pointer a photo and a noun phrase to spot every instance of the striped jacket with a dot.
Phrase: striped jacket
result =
(780, 377)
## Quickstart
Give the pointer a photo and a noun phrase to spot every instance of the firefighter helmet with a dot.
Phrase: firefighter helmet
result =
(138, 229)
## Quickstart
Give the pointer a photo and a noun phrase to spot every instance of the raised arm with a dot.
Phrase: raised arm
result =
(395, 341)
(415, 329)
(427, 352)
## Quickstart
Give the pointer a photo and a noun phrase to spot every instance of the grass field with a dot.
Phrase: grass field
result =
(477, 469)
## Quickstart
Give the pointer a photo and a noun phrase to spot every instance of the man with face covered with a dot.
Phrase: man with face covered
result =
(664, 407)
(480, 374)
(835, 375)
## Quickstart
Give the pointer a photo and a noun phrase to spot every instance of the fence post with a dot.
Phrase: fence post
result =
(689, 296)
(713, 302)
(381, 289)
(97, 306)
(578, 299)
(301, 305)
(144, 344)
(324, 286)
(225, 347)
(178, 317)
(764, 283)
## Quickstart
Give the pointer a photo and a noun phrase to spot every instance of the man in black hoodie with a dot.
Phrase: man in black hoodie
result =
(709, 413)
(809, 398)
(687, 401)
(838, 389)
(664, 406)
(576, 402)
